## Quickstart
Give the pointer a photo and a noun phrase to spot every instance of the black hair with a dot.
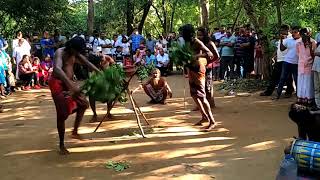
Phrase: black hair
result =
(148, 50)
(304, 32)
(296, 28)
(77, 44)
(205, 33)
(17, 32)
(285, 27)
(187, 32)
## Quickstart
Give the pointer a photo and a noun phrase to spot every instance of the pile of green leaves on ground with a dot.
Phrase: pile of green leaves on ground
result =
(143, 72)
(117, 166)
(181, 54)
(106, 85)
(243, 85)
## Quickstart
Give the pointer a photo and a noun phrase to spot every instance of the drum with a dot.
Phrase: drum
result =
(306, 154)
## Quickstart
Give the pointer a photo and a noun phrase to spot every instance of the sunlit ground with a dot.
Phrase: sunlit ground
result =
(246, 144)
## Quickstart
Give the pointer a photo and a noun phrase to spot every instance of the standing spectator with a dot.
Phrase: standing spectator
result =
(47, 45)
(317, 37)
(151, 43)
(136, 39)
(3, 43)
(162, 44)
(227, 47)
(316, 74)
(96, 42)
(114, 43)
(277, 68)
(258, 59)
(162, 62)
(249, 65)
(241, 54)
(20, 49)
(125, 45)
(107, 45)
(3, 81)
(219, 33)
(290, 64)
(59, 40)
(36, 50)
(79, 33)
(305, 51)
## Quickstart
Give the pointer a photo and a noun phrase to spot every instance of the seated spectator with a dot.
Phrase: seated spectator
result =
(27, 74)
(162, 62)
(156, 88)
(118, 56)
(150, 58)
(47, 68)
(137, 58)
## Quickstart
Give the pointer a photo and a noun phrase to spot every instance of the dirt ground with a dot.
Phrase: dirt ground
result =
(247, 143)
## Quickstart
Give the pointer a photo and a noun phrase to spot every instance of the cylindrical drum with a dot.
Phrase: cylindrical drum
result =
(306, 154)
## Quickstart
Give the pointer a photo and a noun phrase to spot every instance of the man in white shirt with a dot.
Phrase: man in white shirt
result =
(106, 45)
(277, 68)
(290, 63)
(162, 62)
(96, 42)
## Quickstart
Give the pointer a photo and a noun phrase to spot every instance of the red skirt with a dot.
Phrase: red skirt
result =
(65, 104)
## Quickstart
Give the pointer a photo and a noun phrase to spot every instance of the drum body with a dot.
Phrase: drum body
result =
(307, 155)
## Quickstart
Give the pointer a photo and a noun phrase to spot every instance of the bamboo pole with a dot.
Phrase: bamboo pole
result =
(136, 113)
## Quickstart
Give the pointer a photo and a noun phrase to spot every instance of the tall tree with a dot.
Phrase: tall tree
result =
(90, 16)
(204, 7)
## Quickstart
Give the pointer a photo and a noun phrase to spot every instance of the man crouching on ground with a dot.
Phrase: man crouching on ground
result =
(65, 92)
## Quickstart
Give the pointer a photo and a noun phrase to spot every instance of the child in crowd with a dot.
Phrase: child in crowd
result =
(118, 55)
(137, 58)
(156, 88)
(38, 71)
(258, 57)
(47, 68)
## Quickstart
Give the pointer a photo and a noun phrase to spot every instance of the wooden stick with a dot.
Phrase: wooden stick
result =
(105, 117)
(144, 117)
(137, 115)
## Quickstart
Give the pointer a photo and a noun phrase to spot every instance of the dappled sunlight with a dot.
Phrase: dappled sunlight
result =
(27, 152)
(261, 146)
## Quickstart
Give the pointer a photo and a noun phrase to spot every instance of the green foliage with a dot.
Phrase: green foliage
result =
(143, 72)
(117, 166)
(107, 85)
(181, 55)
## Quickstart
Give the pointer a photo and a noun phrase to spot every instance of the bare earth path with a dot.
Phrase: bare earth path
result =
(247, 143)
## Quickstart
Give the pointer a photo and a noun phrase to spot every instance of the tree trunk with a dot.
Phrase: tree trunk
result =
(165, 22)
(204, 7)
(130, 17)
(264, 39)
(172, 14)
(279, 16)
(144, 15)
(216, 12)
(90, 16)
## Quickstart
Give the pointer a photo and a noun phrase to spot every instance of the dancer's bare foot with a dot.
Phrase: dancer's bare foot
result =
(200, 122)
(210, 127)
(94, 119)
(63, 151)
(76, 136)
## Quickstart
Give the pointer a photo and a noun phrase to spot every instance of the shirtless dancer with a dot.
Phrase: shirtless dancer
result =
(65, 92)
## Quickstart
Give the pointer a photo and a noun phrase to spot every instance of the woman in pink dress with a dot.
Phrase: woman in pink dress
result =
(305, 51)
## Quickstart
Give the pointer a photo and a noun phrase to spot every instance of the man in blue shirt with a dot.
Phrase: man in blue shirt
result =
(3, 43)
(150, 58)
(136, 39)
(47, 45)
